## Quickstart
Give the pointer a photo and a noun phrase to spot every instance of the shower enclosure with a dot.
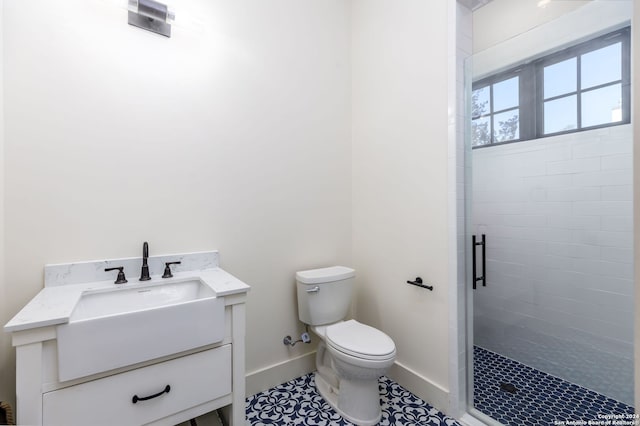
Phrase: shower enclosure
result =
(550, 219)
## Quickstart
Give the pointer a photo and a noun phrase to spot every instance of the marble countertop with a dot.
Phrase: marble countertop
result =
(54, 305)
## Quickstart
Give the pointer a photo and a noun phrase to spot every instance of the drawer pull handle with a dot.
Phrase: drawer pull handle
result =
(137, 398)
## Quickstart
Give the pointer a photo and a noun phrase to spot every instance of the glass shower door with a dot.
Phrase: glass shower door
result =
(550, 231)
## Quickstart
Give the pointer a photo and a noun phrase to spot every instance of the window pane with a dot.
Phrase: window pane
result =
(506, 126)
(602, 106)
(560, 78)
(560, 115)
(601, 66)
(480, 102)
(506, 94)
(480, 132)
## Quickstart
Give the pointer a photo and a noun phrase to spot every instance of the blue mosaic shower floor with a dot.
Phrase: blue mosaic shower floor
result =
(541, 399)
(298, 403)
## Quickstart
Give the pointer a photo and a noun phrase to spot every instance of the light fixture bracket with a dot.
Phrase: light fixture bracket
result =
(151, 15)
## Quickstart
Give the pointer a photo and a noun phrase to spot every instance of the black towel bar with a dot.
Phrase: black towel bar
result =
(418, 282)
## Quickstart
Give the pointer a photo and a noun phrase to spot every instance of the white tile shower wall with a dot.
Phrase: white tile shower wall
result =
(557, 213)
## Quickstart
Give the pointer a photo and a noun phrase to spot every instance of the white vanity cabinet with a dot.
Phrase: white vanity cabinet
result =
(199, 381)
(164, 351)
(172, 387)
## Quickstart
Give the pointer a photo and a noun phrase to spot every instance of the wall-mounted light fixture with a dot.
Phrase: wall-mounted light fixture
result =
(152, 16)
(543, 3)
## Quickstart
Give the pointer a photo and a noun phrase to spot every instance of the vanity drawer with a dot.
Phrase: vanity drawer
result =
(193, 380)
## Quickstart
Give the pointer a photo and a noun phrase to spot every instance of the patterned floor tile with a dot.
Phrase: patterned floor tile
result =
(540, 399)
(298, 403)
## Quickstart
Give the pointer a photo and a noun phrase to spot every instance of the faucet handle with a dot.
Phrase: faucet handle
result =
(167, 269)
(121, 279)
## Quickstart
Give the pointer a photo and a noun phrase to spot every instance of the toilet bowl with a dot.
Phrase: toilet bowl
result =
(351, 356)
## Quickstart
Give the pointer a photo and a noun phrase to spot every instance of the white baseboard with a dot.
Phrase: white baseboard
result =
(273, 375)
(420, 386)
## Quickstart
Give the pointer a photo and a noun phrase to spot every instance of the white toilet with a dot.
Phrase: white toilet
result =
(351, 356)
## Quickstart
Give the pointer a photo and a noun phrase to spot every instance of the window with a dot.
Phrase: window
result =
(496, 111)
(582, 87)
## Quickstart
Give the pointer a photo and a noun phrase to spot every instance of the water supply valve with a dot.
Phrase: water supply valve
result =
(304, 338)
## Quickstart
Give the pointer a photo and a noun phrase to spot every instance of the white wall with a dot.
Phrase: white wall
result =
(511, 18)
(6, 359)
(234, 134)
(400, 183)
(535, 31)
(557, 213)
(635, 114)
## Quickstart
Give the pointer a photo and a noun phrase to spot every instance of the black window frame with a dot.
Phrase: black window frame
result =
(531, 87)
(490, 82)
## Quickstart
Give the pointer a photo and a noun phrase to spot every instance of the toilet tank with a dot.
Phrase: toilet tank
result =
(324, 295)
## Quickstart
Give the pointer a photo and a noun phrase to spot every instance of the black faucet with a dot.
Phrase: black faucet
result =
(144, 275)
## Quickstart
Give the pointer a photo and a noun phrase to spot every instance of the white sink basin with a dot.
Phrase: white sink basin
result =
(102, 303)
(137, 322)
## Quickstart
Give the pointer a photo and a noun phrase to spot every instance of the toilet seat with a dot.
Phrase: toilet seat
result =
(360, 341)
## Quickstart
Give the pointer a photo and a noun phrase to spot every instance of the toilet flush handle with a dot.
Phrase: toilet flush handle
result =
(314, 289)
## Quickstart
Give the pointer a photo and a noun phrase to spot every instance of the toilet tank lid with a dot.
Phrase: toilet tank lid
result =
(324, 275)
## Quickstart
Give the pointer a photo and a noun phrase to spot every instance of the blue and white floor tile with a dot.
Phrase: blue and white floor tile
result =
(298, 403)
(541, 399)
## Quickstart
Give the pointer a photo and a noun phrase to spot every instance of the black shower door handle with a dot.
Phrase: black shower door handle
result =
(482, 243)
